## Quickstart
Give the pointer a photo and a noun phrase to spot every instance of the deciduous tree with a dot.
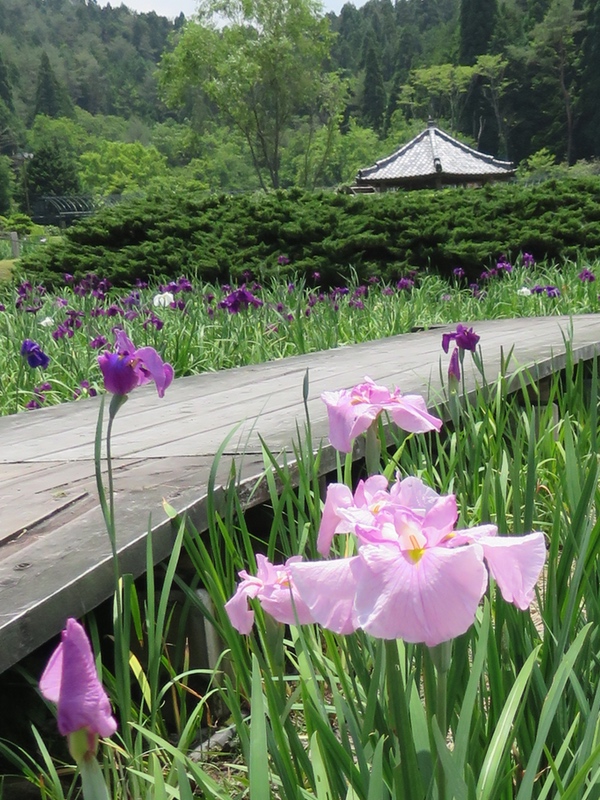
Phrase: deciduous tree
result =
(262, 69)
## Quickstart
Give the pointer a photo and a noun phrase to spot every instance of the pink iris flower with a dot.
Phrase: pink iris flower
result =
(351, 412)
(415, 577)
(274, 588)
(126, 368)
(70, 680)
(343, 511)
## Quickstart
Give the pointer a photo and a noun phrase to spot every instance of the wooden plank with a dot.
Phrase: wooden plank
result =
(58, 563)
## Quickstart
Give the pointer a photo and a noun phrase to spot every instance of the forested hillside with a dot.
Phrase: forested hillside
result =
(274, 94)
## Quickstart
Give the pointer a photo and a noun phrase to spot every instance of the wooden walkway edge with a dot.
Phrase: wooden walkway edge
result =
(54, 551)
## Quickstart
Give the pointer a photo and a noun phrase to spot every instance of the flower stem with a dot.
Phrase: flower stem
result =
(373, 449)
(441, 656)
(123, 690)
(401, 725)
(92, 780)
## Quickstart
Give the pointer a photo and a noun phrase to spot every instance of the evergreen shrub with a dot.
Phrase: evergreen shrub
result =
(221, 237)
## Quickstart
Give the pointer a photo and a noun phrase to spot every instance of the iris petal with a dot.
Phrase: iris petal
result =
(430, 601)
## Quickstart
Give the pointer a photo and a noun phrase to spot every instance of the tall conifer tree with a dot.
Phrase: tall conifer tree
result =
(477, 18)
(373, 102)
(51, 98)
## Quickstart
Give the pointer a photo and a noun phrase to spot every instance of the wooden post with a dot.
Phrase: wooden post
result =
(14, 244)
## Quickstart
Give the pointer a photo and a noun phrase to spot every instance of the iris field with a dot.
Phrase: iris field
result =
(199, 327)
(499, 702)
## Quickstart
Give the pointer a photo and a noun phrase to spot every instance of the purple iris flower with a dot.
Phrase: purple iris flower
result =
(98, 342)
(528, 260)
(404, 284)
(586, 276)
(153, 320)
(458, 272)
(127, 367)
(356, 304)
(34, 354)
(240, 299)
(71, 681)
(283, 260)
(552, 291)
(464, 338)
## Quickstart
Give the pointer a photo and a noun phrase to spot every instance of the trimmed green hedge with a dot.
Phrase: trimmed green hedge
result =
(219, 237)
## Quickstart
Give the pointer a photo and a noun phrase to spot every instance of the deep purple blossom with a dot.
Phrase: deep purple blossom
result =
(126, 368)
(463, 337)
(131, 300)
(61, 331)
(404, 284)
(113, 311)
(2, 307)
(528, 260)
(488, 274)
(84, 388)
(283, 260)
(458, 272)
(240, 299)
(34, 354)
(586, 276)
(504, 264)
(552, 291)
(98, 341)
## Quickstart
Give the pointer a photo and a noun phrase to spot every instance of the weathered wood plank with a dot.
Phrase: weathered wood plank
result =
(58, 562)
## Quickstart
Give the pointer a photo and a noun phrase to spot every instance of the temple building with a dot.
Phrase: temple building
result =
(432, 160)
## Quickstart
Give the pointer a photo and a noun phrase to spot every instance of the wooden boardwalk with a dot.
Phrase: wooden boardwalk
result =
(54, 552)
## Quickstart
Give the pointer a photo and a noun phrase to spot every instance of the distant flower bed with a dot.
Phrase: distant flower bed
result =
(53, 340)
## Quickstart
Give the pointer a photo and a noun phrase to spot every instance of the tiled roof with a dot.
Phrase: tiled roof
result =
(434, 152)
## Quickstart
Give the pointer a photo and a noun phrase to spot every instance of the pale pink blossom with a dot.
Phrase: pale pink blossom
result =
(351, 412)
(415, 577)
(274, 588)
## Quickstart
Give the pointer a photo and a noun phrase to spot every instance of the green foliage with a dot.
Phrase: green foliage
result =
(6, 184)
(262, 70)
(51, 98)
(219, 237)
(118, 167)
(477, 20)
(104, 58)
(52, 171)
